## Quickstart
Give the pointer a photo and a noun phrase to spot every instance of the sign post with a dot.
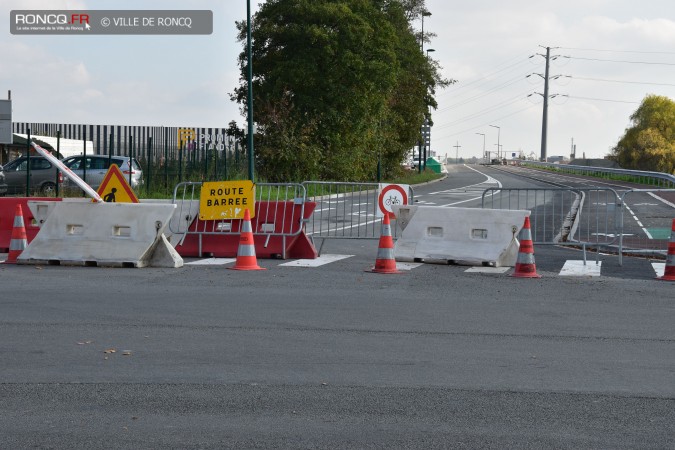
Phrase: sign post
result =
(5, 121)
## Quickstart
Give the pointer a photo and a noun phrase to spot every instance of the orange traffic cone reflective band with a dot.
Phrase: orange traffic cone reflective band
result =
(669, 270)
(246, 259)
(525, 266)
(18, 241)
(385, 262)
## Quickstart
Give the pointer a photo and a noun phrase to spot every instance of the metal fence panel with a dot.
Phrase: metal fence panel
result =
(282, 201)
(563, 216)
(646, 221)
(345, 210)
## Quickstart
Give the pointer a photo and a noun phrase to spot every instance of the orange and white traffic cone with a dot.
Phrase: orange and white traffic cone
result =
(246, 259)
(18, 241)
(385, 262)
(669, 270)
(525, 267)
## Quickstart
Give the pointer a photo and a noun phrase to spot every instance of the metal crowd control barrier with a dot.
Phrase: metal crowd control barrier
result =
(345, 210)
(646, 221)
(579, 217)
(278, 223)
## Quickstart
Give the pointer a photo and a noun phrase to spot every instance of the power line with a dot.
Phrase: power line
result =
(487, 123)
(617, 51)
(459, 85)
(600, 99)
(622, 81)
(482, 112)
(621, 61)
(483, 94)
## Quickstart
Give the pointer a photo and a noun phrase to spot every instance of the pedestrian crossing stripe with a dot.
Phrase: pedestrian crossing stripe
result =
(581, 269)
(486, 269)
(316, 262)
(211, 262)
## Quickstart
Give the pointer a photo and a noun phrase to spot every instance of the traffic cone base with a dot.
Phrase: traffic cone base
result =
(246, 259)
(18, 241)
(525, 266)
(385, 262)
(669, 270)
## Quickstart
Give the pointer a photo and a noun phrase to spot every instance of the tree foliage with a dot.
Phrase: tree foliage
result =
(337, 84)
(649, 144)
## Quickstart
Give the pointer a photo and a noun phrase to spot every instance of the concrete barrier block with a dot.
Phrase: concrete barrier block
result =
(458, 235)
(102, 234)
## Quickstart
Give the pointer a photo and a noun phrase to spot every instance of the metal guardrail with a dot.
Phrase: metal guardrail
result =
(658, 179)
(285, 202)
(345, 210)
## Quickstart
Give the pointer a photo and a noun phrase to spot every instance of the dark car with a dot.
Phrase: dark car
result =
(43, 176)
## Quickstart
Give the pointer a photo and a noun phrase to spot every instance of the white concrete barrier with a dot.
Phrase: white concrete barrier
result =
(101, 234)
(458, 235)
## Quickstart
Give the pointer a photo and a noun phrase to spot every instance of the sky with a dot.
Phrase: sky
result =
(606, 56)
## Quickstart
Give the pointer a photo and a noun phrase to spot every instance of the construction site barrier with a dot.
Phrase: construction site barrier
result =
(458, 235)
(103, 234)
(278, 225)
(7, 209)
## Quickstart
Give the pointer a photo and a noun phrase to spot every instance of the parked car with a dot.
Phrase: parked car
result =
(93, 168)
(43, 176)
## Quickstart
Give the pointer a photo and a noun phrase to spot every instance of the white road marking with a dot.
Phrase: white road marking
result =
(407, 265)
(661, 199)
(578, 269)
(211, 262)
(659, 268)
(487, 269)
(320, 261)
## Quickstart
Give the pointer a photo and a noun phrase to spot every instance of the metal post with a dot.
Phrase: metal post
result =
(149, 177)
(544, 119)
(110, 148)
(250, 90)
(58, 153)
(131, 157)
(28, 163)
(180, 162)
(166, 158)
(484, 156)
(84, 158)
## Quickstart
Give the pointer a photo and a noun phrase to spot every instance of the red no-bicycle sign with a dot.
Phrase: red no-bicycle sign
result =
(390, 195)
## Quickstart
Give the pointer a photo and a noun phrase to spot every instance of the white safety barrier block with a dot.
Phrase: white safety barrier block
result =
(458, 235)
(101, 234)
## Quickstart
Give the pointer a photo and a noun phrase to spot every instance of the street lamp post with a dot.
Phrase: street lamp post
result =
(424, 14)
(483, 134)
(251, 159)
(427, 126)
(498, 133)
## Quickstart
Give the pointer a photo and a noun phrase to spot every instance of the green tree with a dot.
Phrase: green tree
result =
(337, 85)
(649, 144)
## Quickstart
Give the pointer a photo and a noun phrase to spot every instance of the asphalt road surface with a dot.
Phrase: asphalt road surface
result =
(337, 357)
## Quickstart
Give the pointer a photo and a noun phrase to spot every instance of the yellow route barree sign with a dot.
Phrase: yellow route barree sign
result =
(226, 200)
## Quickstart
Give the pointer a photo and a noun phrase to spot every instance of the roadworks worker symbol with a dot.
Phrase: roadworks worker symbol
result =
(115, 188)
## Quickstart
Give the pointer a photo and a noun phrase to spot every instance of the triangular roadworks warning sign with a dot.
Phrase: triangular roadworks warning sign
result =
(115, 187)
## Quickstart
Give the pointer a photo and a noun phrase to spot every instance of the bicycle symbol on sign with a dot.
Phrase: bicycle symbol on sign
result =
(392, 200)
